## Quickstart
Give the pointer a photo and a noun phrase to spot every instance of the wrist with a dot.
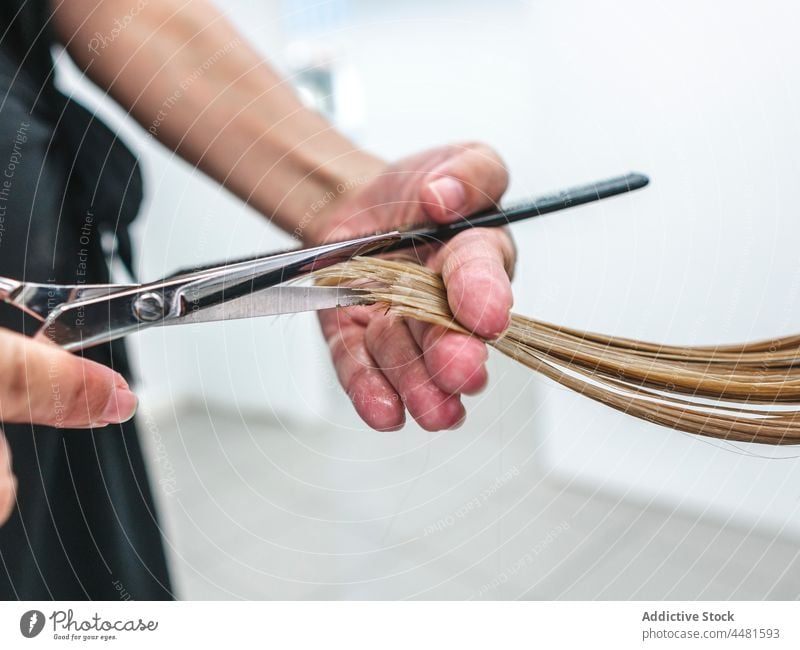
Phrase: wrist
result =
(315, 166)
(330, 184)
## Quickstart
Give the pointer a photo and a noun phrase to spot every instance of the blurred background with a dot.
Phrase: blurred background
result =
(268, 484)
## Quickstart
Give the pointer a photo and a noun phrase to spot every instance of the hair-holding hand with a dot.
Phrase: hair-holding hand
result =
(388, 364)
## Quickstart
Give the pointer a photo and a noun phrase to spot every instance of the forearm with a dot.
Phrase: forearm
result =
(187, 75)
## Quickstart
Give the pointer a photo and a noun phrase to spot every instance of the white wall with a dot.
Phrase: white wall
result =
(701, 96)
(704, 98)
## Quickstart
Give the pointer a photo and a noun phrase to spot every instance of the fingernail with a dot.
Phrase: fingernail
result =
(120, 382)
(120, 408)
(449, 192)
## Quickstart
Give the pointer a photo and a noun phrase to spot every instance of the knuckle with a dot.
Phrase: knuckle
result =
(474, 251)
(431, 338)
(479, 148)
(78, 398)
(418, 393)
(476, 154)
(77, 402)
(380, 331)
(93, 395)
(355, 386)
(414, 399)
(340, 346)
(488, 156)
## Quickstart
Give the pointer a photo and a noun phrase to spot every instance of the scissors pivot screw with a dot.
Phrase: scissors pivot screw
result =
(149, 307)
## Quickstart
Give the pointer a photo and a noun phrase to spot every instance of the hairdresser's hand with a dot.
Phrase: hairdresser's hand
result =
(387, 364)
(43, 384)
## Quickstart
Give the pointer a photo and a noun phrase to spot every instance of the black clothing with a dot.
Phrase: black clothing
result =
(85, 525)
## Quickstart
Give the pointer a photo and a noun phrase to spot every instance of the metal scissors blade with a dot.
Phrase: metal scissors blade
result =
(217, 293)
(274, 301)
(267, 302)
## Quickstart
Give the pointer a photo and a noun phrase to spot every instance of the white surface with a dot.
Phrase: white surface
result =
(258, 509)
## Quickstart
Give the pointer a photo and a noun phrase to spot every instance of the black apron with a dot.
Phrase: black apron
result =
(85, 526)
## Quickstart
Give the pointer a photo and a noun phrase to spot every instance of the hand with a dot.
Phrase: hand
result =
(43, 384)
(387, 364)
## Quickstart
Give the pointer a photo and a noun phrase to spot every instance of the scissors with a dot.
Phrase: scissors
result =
(78, 316)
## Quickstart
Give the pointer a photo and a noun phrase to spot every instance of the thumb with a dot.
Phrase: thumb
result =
(472, 178)
(43, 384)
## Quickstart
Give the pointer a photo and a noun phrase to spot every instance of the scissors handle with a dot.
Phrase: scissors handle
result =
(8, 288)
(413, 236)
(568, 198)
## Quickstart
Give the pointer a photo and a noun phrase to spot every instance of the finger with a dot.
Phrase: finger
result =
(43, 384)
(373, 397)
(390, 343)
(456, 362)
(8, 482)
(475, 267)
(473, 178)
